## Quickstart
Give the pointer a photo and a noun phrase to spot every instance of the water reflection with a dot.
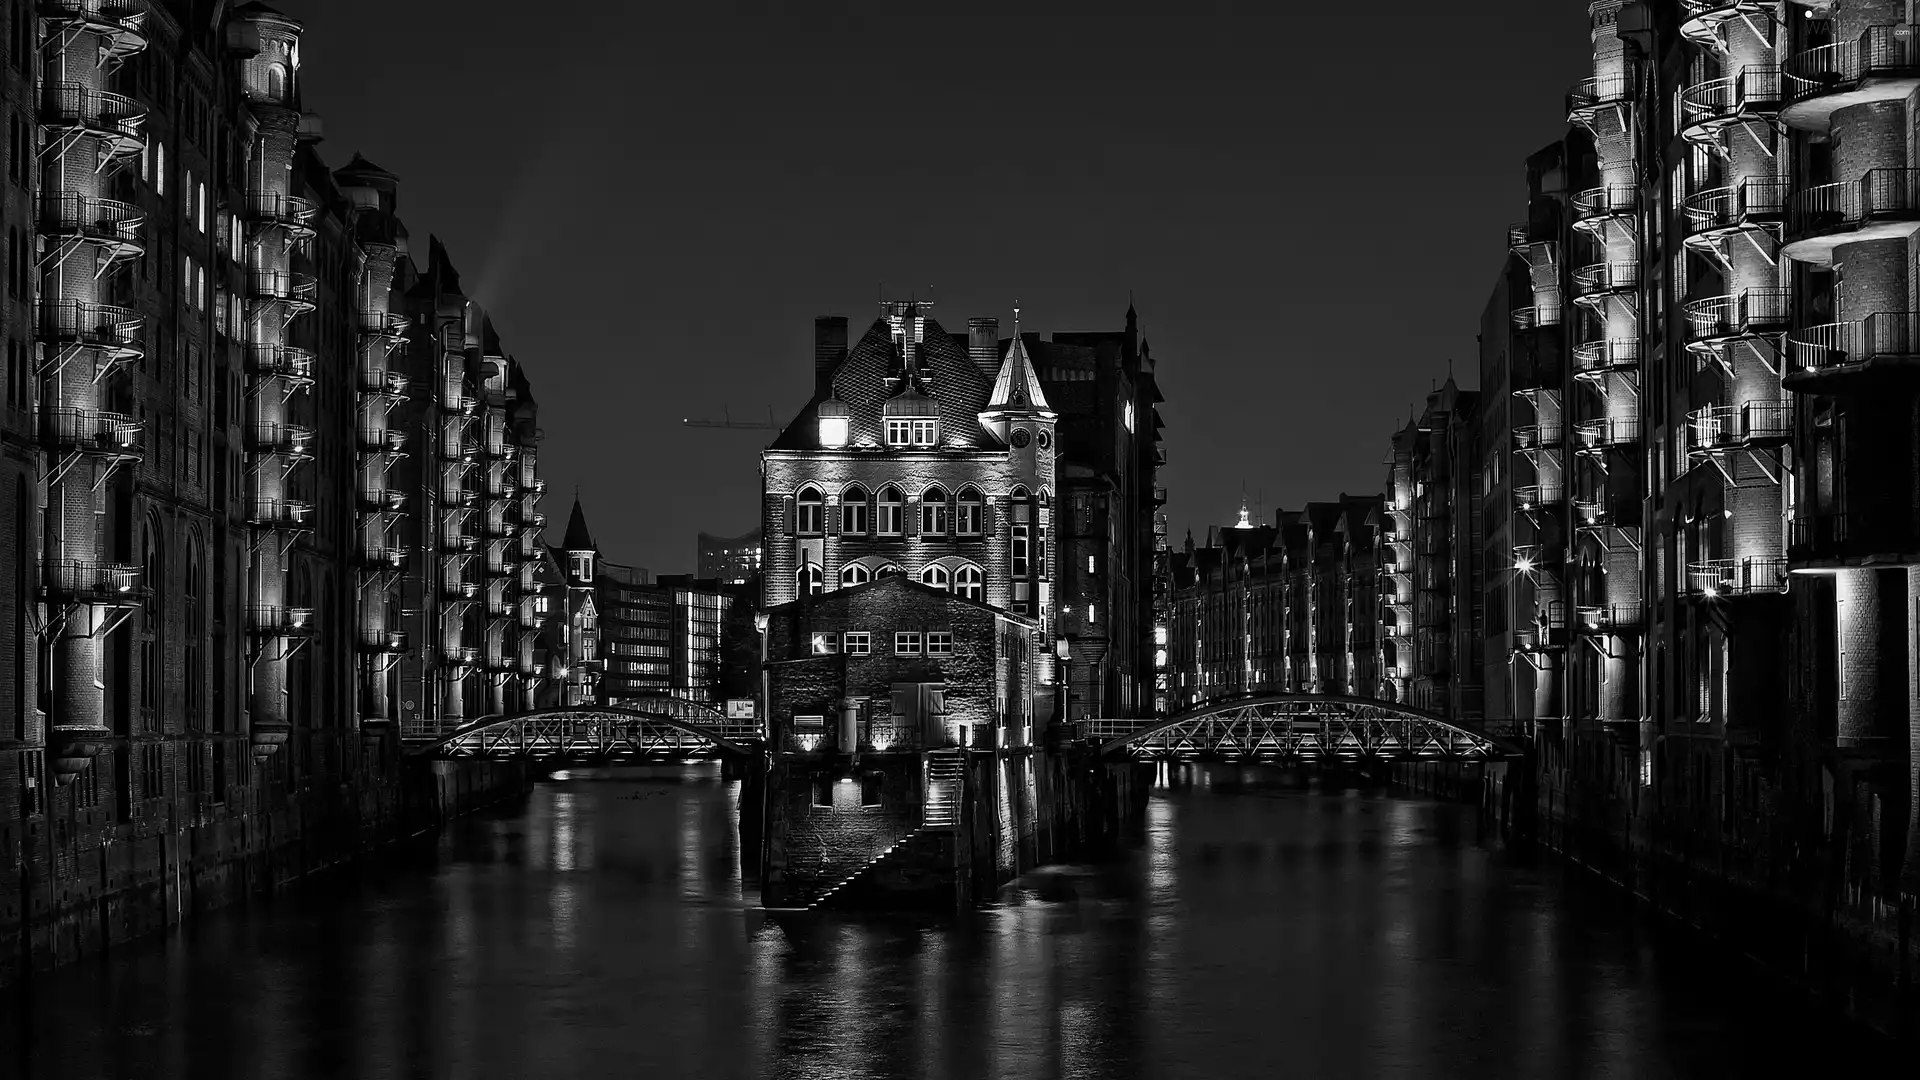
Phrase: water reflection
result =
(1262, 929)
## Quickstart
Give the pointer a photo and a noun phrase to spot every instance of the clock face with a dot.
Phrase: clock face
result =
(1044, 439)
(1020, 438)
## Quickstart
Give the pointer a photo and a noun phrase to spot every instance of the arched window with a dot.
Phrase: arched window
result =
(808, 580)
(890, 570)
(808, 518)
(888, 520)
(967, 512)
(933, 512)
(152, 643)
(970, 583)
(935, 575)
(196, 675)
(276, 82)
(856, 512)
(855, 574)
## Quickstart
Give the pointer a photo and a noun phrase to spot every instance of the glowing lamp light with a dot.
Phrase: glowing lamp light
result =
(834, 431)
(1713, 591)
(1523, 565)
(846, 779)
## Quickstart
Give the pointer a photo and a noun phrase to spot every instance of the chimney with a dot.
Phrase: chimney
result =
(983, 345)
(829, 348)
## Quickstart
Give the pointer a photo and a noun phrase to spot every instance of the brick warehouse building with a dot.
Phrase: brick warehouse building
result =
(263, 501)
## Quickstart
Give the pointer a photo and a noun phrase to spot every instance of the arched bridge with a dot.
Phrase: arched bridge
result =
(1297, 727)
(673, 730)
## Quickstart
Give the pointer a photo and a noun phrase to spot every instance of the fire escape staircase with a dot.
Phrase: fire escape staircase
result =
(946, 780)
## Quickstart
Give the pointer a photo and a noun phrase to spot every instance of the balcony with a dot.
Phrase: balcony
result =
(1713, 578)
(91, 431)
(280, 362)
(107, 584)
(121, 23)
(1589, 96)
(111, 225)
(1750, 425)
(1749, 95)
(114, 331)
(274, 620)
(383, 324)
(115, 119)
(464, 656)
(1590, 283)
(459, 544)
(376, 440)
(1882, 204)
(376, 640)
(464, 498)
(1881, 64)
(1610, 618)
(383, 384)
(290, 514)
(1538, 497)
(498, 528)
(383, 500)
(290, 441)
(1594, 359)
(1716, 320)
(1536, 436)
(1537, 317)
(1714, 214)
(383, 556)
(1547, 632)
(279, 211)
(1879, 531)
(1826, 357)
(296, 291)
(1606, 433)
(459, 590)
(1595, 205)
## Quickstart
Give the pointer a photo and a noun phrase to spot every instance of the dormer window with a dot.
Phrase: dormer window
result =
(912, 431)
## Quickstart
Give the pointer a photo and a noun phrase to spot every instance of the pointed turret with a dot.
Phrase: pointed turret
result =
(1016, 392)
(578, 537)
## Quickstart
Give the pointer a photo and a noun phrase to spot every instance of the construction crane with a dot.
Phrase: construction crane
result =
(727, 421)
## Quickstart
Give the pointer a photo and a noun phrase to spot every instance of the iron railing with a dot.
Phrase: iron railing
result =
(1726, 427)
(280, 361)
(1883, 335)
(96, 325)
(73, 105)
(1748, 312)
(276, 620)
(1600, 91)
(279, 513)
(1595, 357)
(92, 431)
(1605, 277)
(1880, 51)
(1751, 202)
(1610, 618)
(83, 581)
(1606, 201)
(107, 220)
(1536, 317)
(1737, 577)
(1754, 90)
(1607, 431)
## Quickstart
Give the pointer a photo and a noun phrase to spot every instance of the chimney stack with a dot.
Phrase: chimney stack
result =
(983, 345)
(829, 348)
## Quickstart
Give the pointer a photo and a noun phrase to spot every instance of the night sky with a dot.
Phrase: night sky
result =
(1308, 209)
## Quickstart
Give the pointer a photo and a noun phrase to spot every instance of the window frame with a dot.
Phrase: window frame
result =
(802, 519)
(856, 511)
(852, 570)
(969, 518)
(932, 570)
(906, 643)
(935, 518)
(970, 582)
(857, 643)
(889, 517)
(942, 638)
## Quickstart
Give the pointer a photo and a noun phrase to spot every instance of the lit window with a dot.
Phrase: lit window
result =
(160, 169)
(935, 575)
(889, 518)
(969, 582)
(825, 644)
(923, 432)
(899, 432)
(856, 512)
(807, 522)
(906, 643)
(933, 512)
(967, 512)
(858, 642)
(200, 203)
(1127, 415)
(1090, 615)
(1090, 568)
(855, 574)
(939, 643)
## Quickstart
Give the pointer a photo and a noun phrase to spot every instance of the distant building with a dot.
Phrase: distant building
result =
(730, 560)
(699, 608)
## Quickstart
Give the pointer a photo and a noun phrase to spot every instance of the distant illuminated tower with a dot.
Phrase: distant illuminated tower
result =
(583, 617)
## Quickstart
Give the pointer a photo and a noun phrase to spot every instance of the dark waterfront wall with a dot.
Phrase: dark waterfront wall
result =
(1782, 905)
(77, 886)
(870, 842)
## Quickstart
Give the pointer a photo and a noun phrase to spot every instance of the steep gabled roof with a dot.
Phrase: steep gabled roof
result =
(867, 376)
(1017, 387)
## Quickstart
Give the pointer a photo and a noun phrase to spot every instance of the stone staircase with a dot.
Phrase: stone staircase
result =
(946, 780)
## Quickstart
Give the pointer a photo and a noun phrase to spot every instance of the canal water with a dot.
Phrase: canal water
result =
(1264, 928)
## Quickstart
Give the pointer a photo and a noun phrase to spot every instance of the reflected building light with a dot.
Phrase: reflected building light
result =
(692, 833)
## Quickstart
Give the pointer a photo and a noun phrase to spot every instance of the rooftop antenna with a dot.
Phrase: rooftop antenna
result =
(1016, 320)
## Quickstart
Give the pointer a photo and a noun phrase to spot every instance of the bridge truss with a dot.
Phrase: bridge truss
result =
(671, 731)
(1297, 727)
